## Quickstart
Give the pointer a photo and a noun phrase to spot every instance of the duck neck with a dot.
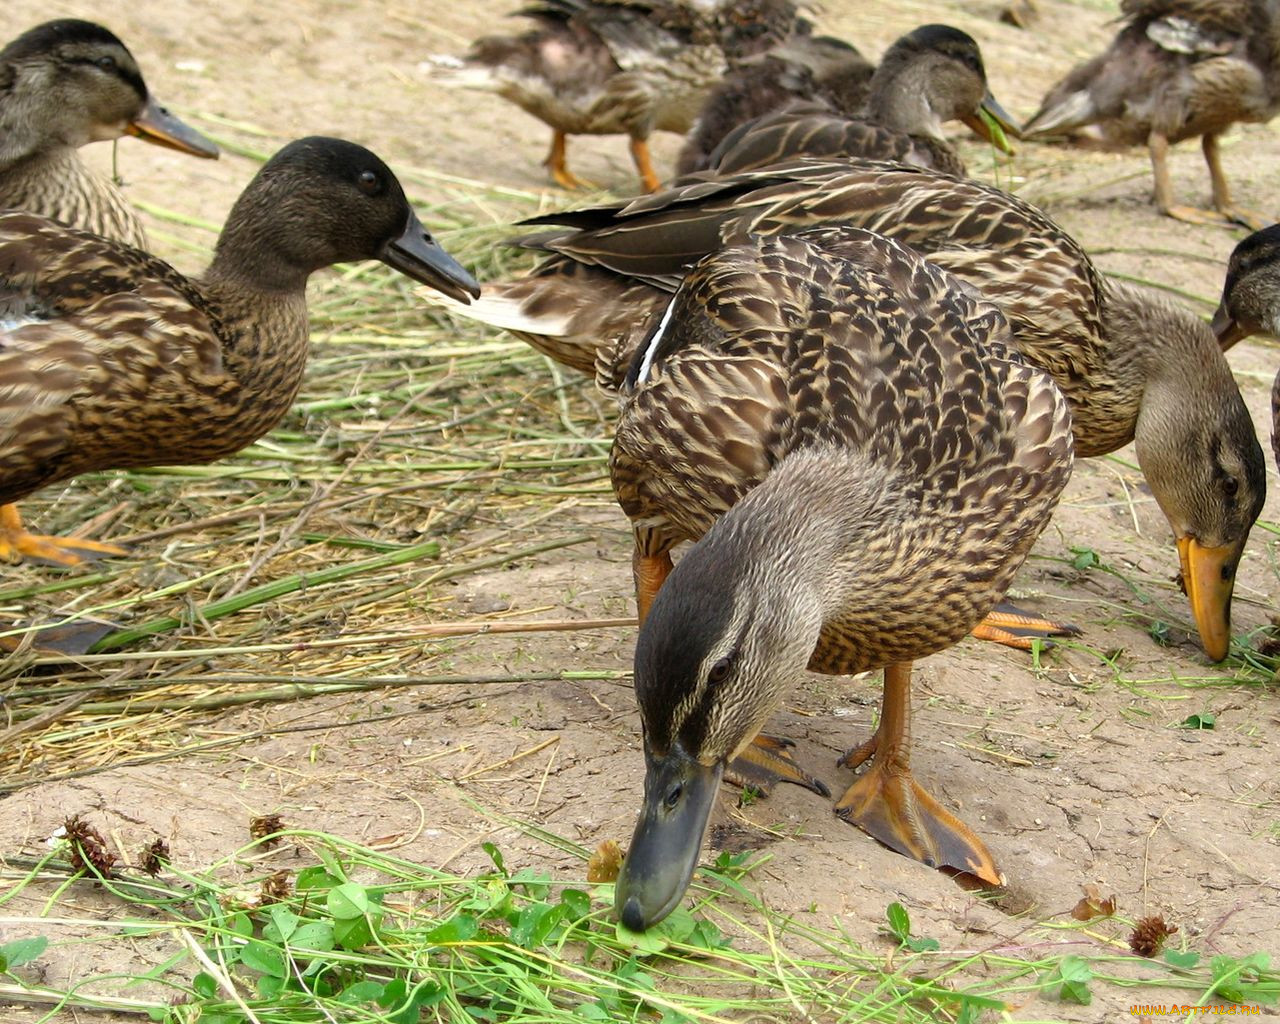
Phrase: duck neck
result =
(56, 183)
(250, 260)
(805, 531)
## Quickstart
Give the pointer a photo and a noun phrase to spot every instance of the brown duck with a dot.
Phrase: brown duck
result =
(863, 464)
(1177, 69)
(626, 67)
(1251, 303)
(1134, 365)
(930, 76)
(63, 85)
(111, 358)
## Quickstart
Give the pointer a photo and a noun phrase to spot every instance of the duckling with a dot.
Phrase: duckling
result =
(931, 75)
(113, 359)
(604, 67)
(863, 463)
(1134, 365)
(1250, 303)
(63, 85)
(806, 68)
(1177, 69)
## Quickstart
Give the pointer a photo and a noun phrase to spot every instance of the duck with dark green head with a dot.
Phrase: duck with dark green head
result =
(841, 428)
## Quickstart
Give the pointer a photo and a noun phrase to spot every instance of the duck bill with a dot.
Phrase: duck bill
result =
(417, 255)
(668, 837)
(993, 123)
(1208, 577)
(1226, 328)
(158, 126)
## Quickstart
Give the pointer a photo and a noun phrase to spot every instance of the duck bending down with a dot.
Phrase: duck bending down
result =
(605, 67)
(63, 85)
(863, 463)
(110, 358)
(930, 76)
(1134, 365)
(1176, 70)
(1250, 304)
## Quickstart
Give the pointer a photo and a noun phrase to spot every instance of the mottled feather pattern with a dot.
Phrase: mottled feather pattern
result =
(842, 341)
(131, 369)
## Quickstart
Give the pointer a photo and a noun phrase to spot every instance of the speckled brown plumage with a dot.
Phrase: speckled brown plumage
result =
(1177, 69)
(111, 358)
(603, 67)
(930, 76)
(1134, 365)
(806, 69)
(844, 427)
(62, 85)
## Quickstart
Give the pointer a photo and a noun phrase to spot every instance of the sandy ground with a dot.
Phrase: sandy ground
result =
(1074, 772)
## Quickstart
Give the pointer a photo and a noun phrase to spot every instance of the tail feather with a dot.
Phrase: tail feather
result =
(505, 305)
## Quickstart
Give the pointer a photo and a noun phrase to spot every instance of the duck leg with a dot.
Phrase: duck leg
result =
(1009, 625)
(644, 164)
(1251, 219)
(556, 163)
(765, 762)
(887, 803)
(16, 543)
(1222, 215)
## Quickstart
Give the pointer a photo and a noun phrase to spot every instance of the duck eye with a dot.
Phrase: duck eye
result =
(369, 183)
(719, 670)
(1230, 486)
(106, 62)
(673, 796)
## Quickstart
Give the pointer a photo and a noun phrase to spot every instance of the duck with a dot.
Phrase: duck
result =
(1177, 69)
(1250, 304)
(818, 69)
(111, 358)
(64, 84)
(931, 75)
(862, 461)
(1135, 365)
(606, 67)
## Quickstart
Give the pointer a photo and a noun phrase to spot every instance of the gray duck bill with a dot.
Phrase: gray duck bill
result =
(417, 255)
(155, 124)
(678, 796)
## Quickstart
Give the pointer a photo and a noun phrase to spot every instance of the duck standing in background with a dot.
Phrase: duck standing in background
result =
(1177, 69)
(63, 85)
(627, 67)
(863, 464)
(110, 358)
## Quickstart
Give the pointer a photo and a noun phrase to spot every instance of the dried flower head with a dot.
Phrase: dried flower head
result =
(605, 863)
(1149, 934)
(88, 848)
(263, 825)
(155, 855)
(275, 888)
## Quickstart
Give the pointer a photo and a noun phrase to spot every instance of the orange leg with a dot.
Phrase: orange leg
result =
(887, 803)
(556, 163)
(1009, 625)
(16, 543)
(640, 154)
(649, 572)
(1223, 215)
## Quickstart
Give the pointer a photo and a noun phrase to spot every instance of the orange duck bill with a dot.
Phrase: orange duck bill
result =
(156, 125)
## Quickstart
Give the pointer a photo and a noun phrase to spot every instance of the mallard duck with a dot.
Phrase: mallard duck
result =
(1177, 69)
(1134, 365)
(1251, 303)
(63, 85)
(605, 67)
(806, 68)
(841, 428)
(111, 358)
(930, 76)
